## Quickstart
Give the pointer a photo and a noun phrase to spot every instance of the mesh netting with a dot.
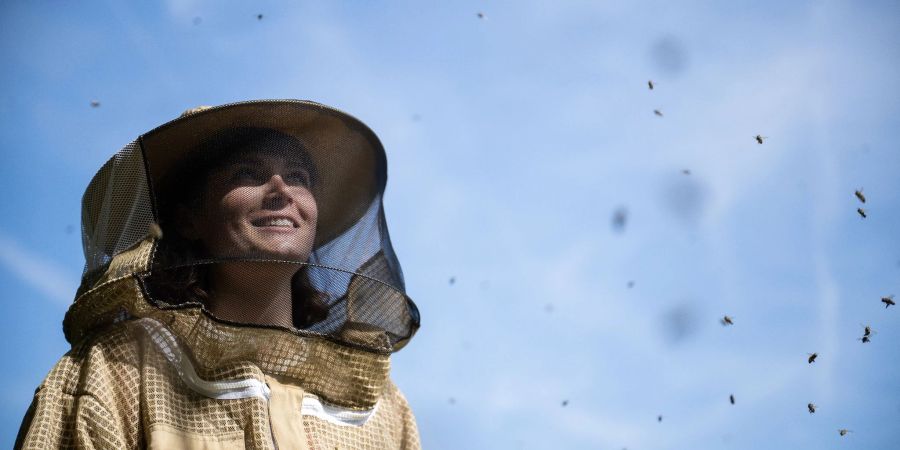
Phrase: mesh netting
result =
(263, 214)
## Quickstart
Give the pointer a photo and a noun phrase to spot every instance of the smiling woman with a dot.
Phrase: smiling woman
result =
(240, 290)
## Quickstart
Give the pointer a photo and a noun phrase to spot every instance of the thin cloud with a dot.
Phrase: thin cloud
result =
(41, 274)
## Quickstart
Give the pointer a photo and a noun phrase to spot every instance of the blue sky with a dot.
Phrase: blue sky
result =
(512, 140)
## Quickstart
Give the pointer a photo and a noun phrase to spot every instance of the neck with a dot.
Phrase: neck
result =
(255, 293)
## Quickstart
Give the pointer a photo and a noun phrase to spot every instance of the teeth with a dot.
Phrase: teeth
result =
(278, 223)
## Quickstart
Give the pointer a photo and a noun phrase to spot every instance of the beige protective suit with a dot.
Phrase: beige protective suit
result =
(143, 373)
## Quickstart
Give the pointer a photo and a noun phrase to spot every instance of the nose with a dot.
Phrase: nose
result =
(276, 196)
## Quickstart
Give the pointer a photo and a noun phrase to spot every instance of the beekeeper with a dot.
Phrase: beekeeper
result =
(240, 291)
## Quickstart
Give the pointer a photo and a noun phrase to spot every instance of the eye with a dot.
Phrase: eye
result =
(297, 177)
(247, 175)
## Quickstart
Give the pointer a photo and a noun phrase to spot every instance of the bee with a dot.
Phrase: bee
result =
(659, 418)
(452, 400)
(865, 339)
(759, 138)
(565, 402)
(860, 195)
(731, 398)
(844, 431)
(686, 171)
(155, 231)
(630, 284)
(480, 15)
(650, 84)
(95, 104)
(452, 280)
(726, 321)
(888, 301)
(811, 407)
(861, 212)
(259, 17)
(812, 357)
(658, 112)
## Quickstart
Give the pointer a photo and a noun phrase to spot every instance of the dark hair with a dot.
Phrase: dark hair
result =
(177, 277)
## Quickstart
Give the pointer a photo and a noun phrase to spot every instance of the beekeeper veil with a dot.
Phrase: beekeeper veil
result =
(265, 186)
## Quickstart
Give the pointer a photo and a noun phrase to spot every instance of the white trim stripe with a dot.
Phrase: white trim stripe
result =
(221, 390)
(311, 406)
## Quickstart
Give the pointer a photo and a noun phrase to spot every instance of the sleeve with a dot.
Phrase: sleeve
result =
(59, 420)
(89, 400)
(410, 431)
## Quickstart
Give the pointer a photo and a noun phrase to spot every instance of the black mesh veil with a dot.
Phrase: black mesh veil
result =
(262, 213)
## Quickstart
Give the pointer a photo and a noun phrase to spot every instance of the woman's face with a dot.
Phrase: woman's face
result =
(258, 206)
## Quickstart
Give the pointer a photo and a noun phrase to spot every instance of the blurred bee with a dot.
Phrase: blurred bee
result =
(686, 171)
(860, 195)
(812, 357)
(650, 84)
(844, 431)
(867, 330)
(565, 402)
(259, 17)
(480, 15)
(811, 407)
(759, 138)
(659, 418)
(888, 301)
(630, 284)
(452, 280)
(155, 231)
(865, 339)
(731, 398)
(726, 321)
(861, 212)
(95, 104)
(658, 112)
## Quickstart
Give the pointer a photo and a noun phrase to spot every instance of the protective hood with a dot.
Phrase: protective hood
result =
(255, 215)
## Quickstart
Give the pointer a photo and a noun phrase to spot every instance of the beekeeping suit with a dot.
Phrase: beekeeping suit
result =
(154, 365)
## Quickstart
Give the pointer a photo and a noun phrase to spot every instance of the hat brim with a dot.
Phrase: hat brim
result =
(349, 158)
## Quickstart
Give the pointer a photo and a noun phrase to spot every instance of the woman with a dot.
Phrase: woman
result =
(240, 291)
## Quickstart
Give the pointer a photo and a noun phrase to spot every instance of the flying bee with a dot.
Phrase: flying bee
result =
(259, 17)
(867, 330)
(726, 321)
(861, 212)
(659, 418)
(888, 301)
(811, 407)
(731, 398)
(95, 104)
(812, 357)
(686, 171)
(860, 195)
(565, 402)
(759, 138)
(844, 431)
(865, 339)
(650, 84)
(480, 15)
(658, 112)
(452, 280)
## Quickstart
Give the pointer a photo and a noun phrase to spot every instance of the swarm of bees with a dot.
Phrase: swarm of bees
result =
(888, 301)
(726, 321)
(812, 357)
(759, 138)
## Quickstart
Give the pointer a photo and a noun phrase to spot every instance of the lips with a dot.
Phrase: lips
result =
(275, 221)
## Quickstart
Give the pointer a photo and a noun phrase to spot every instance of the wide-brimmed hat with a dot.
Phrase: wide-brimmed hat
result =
(349, 159)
